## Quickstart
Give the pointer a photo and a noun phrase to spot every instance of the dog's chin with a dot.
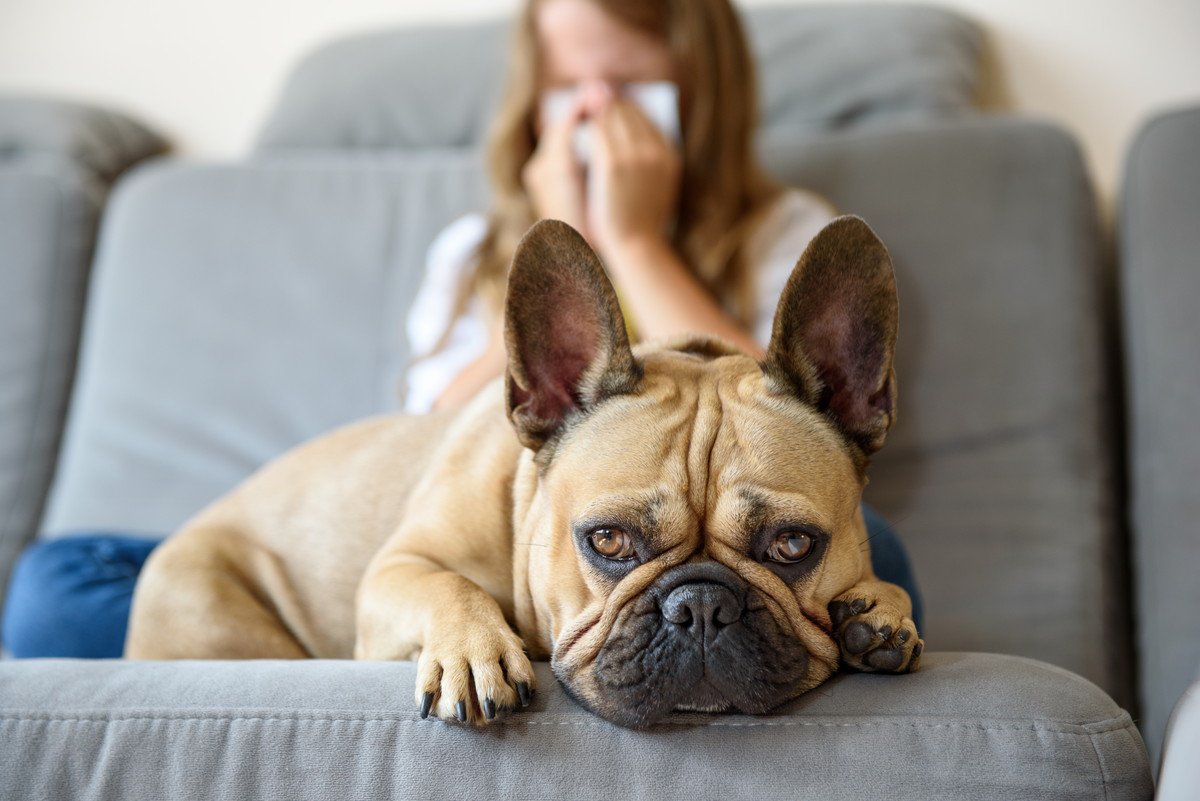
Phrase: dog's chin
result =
(703, 698)
(637, 711)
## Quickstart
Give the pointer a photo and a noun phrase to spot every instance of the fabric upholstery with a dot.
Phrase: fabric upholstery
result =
(1160, 282)
(236, 311)
(965, 726)
(821, 68)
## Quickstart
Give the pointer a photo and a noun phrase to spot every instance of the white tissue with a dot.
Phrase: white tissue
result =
(658, 100)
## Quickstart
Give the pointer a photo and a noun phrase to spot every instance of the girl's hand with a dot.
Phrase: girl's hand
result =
(633, 187)
(552, 177)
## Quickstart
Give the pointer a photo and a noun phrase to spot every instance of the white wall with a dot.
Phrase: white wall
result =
(205, 73)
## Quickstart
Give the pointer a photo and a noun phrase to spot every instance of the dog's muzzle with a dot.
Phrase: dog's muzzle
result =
(698, 639)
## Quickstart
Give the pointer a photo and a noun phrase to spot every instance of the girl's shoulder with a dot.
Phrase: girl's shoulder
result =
(446, 265)
(788, 225)
(793, 211)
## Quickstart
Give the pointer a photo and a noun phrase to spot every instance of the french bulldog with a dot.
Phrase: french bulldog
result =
(675, 526)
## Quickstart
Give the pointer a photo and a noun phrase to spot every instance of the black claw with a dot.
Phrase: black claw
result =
(460, 709)
(426, 705)
(523, 693)
(857, 606)
(489, 708)
(885, 632)
(902, 636)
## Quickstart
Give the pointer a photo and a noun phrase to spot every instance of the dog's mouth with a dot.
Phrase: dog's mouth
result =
(703, 697)
(692, 646)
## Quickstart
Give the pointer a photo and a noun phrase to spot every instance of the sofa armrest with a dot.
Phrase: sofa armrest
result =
(965, 725)
(1160, 280)
(103, 142)
(56, 162)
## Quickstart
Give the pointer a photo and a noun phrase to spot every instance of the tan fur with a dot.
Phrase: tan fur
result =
(442, 538)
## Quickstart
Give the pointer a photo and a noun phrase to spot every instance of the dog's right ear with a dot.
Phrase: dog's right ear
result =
(567, 344)
(835, 332)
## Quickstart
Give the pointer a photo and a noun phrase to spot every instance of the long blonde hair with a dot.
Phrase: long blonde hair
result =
(723, 191)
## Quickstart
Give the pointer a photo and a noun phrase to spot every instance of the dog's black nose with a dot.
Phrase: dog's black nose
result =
(702, 608)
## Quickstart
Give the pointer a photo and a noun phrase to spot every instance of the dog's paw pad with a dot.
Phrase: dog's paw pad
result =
(875, 637)
(472, 680)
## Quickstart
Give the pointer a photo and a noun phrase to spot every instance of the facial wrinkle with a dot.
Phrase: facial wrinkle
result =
(706, 426)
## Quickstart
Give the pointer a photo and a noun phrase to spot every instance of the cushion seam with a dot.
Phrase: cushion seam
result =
(1092, 729)
(1099, 765)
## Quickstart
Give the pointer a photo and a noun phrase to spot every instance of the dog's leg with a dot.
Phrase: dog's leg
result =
(873, 624)
(196, 599)
(442, 584)
(470, 661)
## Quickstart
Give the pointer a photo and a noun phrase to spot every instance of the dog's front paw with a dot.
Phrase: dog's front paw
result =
(875, 637)
(472, 674)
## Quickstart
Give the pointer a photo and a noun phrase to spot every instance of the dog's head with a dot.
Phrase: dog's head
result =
(685, 514)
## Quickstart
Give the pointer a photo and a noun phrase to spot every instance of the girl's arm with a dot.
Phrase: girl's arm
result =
(475, 376)
(632, 194)
(665, 299)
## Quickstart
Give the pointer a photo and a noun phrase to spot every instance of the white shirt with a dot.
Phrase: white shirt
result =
(772, 252)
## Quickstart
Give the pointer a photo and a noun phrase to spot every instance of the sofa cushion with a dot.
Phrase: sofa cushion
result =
(1001, 472)
(237, 310)
(964, 726)
(821, 68)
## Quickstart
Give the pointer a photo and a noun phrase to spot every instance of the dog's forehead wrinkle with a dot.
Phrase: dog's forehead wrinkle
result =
(706, 427)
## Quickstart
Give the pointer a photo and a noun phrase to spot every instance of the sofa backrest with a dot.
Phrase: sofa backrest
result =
(820, 68)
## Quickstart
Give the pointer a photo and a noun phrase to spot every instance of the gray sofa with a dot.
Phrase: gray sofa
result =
(238, 309)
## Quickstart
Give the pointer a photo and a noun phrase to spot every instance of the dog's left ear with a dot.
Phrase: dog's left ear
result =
(567, 344)
(835, 332)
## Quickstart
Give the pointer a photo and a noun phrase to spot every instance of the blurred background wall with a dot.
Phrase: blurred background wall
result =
(205, 73)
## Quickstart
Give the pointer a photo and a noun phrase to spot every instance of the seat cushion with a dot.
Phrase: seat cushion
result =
(964, 726)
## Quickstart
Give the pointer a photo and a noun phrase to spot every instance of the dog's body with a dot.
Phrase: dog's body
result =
(676, 526)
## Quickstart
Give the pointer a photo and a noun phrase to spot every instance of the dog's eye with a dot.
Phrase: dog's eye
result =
(611, 543)
(790, 546)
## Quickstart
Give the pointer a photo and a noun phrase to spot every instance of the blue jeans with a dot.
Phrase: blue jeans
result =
(70, 597)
